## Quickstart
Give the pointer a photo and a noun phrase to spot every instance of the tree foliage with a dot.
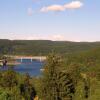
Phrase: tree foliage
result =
(11, 88)
(43, 47)
(56, 84)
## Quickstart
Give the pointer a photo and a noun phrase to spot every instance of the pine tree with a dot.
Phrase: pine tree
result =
(56, 84)
(26, 88)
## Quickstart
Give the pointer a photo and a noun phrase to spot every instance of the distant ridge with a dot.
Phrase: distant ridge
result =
(43, 47)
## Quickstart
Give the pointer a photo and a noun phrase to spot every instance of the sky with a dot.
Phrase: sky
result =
(68, 20)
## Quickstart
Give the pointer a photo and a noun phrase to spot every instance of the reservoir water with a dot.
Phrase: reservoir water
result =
(27, 66)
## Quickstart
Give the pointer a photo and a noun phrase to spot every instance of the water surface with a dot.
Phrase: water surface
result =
(28, 66)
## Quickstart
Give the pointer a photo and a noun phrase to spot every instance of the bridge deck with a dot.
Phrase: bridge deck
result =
(28, 57)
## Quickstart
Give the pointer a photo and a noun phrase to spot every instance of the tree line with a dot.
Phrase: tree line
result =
(43, 47)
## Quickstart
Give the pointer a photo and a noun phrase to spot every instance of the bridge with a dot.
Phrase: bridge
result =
(40, 58)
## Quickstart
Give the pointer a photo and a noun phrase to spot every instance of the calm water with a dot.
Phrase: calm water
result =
(26, 66)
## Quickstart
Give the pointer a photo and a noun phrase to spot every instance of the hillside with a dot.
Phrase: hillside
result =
(87, 64)
(43, 47)
(78, 73)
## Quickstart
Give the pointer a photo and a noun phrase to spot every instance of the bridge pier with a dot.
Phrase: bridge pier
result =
(31, 59)
(40, 59)
(21, 59)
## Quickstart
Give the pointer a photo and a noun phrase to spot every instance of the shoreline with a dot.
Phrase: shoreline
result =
(11, 64)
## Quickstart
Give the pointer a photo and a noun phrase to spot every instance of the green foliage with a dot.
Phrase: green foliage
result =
(5, 46)
(26, 88)
(85, 67)
(43, 47)
(74, 77)
(56, 84)
(9, 79)
(14, 87)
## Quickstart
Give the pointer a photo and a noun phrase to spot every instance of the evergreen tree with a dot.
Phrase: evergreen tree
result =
(86, 87)
(56, 84)
(26, 88)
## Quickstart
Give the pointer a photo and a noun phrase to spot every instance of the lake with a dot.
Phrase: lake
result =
(27, 66)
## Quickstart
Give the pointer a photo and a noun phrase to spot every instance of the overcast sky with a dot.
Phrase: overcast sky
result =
(71, 20)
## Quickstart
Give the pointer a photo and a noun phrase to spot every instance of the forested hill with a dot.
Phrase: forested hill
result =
(43, 47)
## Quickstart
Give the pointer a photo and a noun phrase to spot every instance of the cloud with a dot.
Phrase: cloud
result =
(57, 37)
(15, 36)
(55, 8)
(73, 5)
(30, 11)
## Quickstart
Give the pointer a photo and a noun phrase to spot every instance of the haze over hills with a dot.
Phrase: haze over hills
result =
(43, 47)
